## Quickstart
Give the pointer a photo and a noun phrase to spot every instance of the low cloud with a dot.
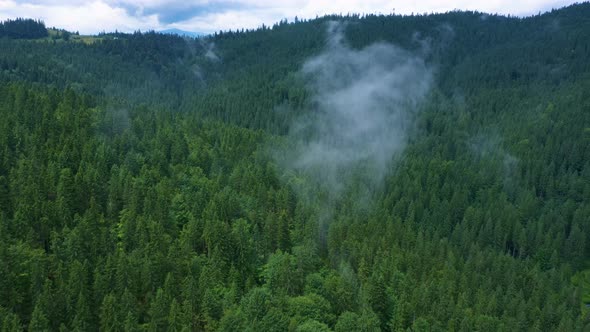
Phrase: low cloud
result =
(364, 105)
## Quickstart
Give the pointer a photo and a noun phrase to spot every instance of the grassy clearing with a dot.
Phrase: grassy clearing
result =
(62, 35)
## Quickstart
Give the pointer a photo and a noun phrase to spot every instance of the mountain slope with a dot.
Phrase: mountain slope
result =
(347, 173)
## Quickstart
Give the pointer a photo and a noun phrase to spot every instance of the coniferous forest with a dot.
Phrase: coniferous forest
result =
(346, 173)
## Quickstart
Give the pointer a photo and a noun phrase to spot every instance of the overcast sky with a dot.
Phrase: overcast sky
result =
(93, 16)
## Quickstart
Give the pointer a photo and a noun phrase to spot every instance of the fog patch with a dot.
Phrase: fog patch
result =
(554, 25)
(115, 121)
(210, 52)
(489, 147)
(364, 104)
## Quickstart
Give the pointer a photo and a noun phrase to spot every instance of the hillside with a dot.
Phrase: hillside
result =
(347, 173)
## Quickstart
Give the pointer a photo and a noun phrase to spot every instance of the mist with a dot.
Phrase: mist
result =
(210, 52)
(489, 147)
(364, 104)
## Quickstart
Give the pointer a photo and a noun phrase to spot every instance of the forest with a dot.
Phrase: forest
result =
(345, 173)
(23, 29)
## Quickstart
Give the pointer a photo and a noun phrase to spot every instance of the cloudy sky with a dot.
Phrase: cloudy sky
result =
(93, 16)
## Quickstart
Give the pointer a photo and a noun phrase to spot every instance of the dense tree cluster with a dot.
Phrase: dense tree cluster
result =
(23, 29)
(139, 187)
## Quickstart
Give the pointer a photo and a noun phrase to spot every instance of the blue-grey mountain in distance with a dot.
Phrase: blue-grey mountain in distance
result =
(182, 33)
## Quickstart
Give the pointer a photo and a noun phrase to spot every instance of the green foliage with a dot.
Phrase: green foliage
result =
(139, 188)
(350, 321)
(39, 321)
(312, 325)
(23, 28)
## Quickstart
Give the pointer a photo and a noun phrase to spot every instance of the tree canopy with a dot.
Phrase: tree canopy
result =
(143, 182)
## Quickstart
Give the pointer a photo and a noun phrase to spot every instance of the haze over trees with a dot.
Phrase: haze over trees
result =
(347, 173)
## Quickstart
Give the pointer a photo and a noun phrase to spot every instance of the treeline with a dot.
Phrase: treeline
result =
(23, 28)
(139, 187)
(228, 79)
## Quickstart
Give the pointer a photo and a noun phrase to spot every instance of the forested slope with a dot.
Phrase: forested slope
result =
(150, 182)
